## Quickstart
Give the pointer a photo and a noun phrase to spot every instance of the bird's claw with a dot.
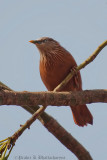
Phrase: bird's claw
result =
(76, 77)
(74, 69)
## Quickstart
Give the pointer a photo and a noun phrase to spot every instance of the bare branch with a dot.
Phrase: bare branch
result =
(26, 125)
(52, 98)
(59, 132)
(67, 140)
(82, 65)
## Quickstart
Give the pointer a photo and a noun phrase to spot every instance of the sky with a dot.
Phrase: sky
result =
(80, 27)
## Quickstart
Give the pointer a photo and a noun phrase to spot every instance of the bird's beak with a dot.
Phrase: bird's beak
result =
(33, 41)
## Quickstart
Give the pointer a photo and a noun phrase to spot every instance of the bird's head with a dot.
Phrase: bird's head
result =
(45, 44)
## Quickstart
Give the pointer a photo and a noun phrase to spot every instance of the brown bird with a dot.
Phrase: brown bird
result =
(55, 64)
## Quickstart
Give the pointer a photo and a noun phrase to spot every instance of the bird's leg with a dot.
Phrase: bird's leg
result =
(76, 77)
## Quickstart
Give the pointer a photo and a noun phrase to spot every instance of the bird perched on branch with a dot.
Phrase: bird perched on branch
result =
(55, 64)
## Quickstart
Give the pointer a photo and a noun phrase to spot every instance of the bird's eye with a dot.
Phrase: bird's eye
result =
(45, 40)
(39, 42)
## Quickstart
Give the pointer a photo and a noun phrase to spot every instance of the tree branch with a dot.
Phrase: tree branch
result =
(52, 98)
(57, 130)
(27, 124)
(82, 65)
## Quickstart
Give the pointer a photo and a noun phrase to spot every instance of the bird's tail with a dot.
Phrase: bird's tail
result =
(81, 115)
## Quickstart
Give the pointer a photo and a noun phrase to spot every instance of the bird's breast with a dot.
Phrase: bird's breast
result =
(53, 74)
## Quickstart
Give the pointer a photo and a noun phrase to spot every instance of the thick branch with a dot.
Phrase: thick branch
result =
(52, 98)
(67, 140)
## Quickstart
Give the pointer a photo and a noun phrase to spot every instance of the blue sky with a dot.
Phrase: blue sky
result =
(80, 26)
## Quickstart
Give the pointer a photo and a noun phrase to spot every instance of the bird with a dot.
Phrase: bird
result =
(55, 64)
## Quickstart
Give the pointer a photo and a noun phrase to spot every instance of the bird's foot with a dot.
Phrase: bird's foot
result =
(76, 76)
(74, 69)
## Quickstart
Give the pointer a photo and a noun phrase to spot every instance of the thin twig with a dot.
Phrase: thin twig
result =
(82, 65)
(27, 124)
